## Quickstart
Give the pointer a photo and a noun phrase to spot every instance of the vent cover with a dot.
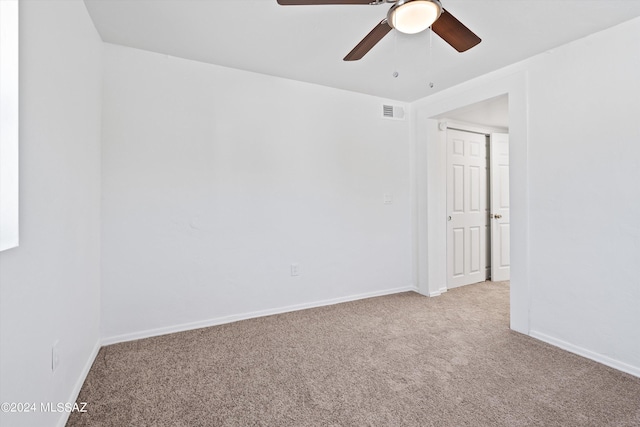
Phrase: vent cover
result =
(392, 112)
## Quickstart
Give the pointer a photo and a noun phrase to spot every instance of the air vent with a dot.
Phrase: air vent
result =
(392, 112)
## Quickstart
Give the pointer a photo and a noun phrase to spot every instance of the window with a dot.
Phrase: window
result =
(8, 124)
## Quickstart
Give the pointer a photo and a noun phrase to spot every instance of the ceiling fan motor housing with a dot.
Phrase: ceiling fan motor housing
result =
(413, 16)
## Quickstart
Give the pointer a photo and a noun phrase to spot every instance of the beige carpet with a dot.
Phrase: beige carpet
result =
(399, 360)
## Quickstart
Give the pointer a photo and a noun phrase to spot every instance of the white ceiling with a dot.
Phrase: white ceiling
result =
(307, 43)
(492, 112)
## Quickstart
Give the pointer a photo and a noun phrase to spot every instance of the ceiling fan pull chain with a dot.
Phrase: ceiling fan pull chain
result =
(395, 54)
(430, 47)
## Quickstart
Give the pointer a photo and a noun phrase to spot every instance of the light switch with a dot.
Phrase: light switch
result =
(295, 270)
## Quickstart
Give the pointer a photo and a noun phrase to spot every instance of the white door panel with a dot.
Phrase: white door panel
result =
(500, 227)
(466, 208)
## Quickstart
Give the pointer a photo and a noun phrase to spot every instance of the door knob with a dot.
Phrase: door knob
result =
(449, 218)
(497, 216)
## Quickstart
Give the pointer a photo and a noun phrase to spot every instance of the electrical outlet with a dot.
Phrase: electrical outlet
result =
(55, 356)
(295, 270)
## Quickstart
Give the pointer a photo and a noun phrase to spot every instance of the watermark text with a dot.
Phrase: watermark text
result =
(43, 407)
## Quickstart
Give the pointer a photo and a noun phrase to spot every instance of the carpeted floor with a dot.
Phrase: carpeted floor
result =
(398, 360)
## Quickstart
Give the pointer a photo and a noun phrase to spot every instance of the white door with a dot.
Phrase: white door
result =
(466, 208)
(500, 248)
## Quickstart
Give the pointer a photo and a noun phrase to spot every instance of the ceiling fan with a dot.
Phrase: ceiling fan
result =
(406, 16)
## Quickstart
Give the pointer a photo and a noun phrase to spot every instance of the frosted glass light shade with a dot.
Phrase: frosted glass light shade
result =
(413, 16)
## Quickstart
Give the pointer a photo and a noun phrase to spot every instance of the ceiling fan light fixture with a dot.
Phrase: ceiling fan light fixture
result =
(414, 16)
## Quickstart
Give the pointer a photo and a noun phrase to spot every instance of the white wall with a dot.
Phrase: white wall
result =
(215, 180)
(585, 194)
(575, 194)
(50, 285)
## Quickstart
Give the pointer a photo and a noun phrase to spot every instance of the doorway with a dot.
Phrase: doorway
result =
(477, 193)
(429, 192)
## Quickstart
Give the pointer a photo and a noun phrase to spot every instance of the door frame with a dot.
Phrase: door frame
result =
(429, 194)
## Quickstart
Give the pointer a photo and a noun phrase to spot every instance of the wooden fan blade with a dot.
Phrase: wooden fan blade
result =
(369, 41)
(455, 32)
(312, 2)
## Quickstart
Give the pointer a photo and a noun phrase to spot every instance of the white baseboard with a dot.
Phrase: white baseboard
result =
(605, 360)
(236, 317)
(64, 416)
(438, 292)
